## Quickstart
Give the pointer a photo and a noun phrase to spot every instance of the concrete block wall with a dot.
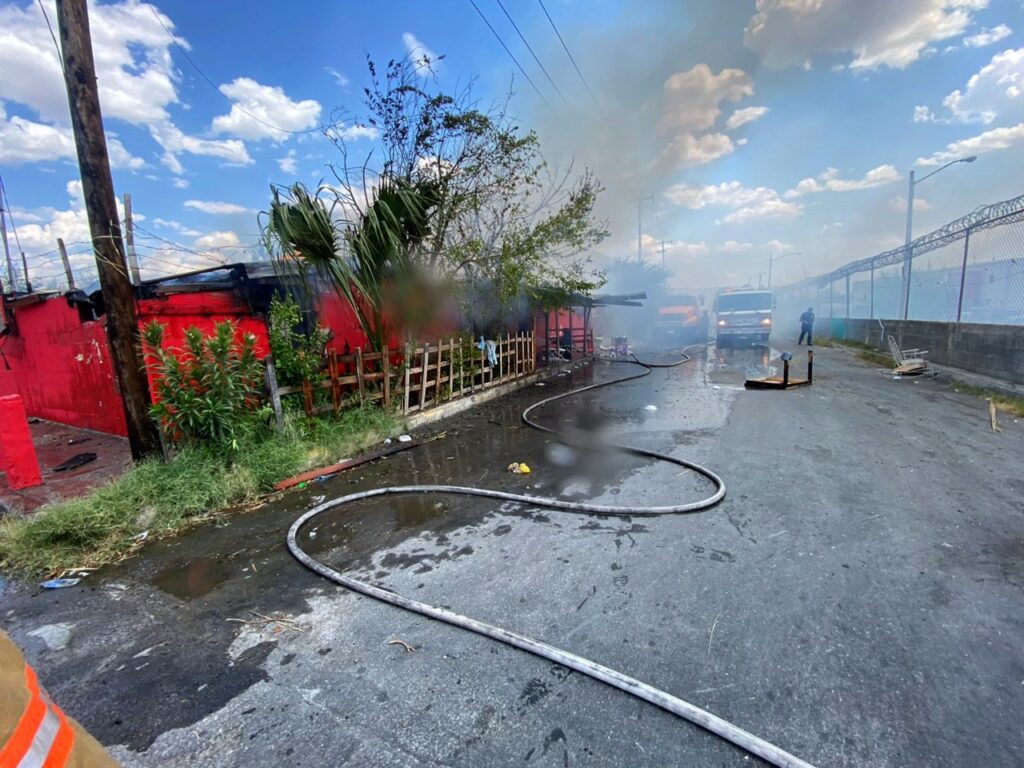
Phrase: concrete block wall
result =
(991, 350)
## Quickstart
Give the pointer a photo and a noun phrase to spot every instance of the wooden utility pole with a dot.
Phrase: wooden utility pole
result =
(104, 225)
(67, 264)
(129, 239)
(24, 272)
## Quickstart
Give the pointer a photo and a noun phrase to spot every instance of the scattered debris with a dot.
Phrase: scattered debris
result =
(650, 407)
(992, 416)
(141, 537)
(712, 635)
(275, 623)
(408, 648)
(55, 636)
(76, 461)
(518, 468)
(387, 441)
(540, 384)
(78, 440)
(405, 438)
(59, 583)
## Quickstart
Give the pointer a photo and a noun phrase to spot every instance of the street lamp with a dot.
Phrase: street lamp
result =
(772, 257)
(908, 254)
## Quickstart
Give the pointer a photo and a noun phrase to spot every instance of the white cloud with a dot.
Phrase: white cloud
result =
(686, 150)
(776, 208)
(270, 105)
(996, 89)
(989, 141)
(898, 204)
(24, 141)
(877, 33)
(744, 116)
(216, 207)
(988, 36)
(175, 142)
(691, 105)
(731, 194)
(923, 114)
(676, 251)
(829, 181)
(354, 131)
(339, 77)
(180, 183)
(424, 60)
(750, 203)
(692, 99)
(216, 240)
(132, 53)
(287, 163)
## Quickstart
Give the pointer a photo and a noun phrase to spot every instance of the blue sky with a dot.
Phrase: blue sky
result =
(744, 126)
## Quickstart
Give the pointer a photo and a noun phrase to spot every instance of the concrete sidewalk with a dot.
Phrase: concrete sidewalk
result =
(55, 444)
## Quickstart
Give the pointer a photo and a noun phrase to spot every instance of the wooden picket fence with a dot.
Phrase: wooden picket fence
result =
(415, 379)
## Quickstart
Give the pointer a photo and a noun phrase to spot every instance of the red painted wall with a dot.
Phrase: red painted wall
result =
(179, 311)
(61, 367)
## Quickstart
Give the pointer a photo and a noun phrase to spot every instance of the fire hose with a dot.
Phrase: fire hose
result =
(726, 730)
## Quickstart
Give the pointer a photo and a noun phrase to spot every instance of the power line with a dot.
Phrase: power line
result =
(213, 85)
(7, 207)
(510, 54)
(53, 37)
(530, 49)
(567, 52)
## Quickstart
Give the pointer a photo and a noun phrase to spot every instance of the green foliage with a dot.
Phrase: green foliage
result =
(297, 357)
(208, 390)
(367, 260)
(450, 193)
(163, 498)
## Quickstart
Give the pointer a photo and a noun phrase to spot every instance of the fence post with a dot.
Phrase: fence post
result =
(871, 312)
(332, 372)
(385, 367)
(270, 376)
(408, 374)
(963, 277)
(67, 264)
(424, 369)
(359, 375)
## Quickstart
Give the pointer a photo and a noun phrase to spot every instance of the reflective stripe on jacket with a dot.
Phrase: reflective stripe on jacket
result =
(34, 732)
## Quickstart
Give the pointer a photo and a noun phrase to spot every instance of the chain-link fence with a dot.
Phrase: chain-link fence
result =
(971, 271)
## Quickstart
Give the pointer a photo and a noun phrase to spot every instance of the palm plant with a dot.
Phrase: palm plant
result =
(366, 259)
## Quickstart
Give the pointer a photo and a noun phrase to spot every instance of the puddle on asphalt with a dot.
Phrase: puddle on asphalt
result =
(193, 579)
(726, 364)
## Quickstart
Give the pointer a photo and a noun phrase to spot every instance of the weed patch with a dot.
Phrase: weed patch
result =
(1006, 403)
(163, 498)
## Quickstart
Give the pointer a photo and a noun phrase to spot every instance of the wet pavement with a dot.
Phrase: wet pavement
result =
(856, 599)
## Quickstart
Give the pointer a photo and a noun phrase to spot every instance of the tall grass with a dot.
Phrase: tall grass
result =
(163, 498)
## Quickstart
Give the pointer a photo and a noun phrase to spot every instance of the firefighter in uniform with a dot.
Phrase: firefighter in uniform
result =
(34, 732)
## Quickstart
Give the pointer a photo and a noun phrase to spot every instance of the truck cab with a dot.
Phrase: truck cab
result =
(743, 316)
(681, 319)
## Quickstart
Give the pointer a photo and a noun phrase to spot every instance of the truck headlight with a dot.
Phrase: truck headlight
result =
(722, 322)
(766, 321)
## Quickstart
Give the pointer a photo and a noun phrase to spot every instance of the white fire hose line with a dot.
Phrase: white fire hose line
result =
(726, 730)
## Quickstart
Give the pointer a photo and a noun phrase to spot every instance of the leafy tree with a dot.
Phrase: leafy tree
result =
(451, 192)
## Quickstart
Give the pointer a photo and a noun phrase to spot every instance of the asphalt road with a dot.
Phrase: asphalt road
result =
(856, 599)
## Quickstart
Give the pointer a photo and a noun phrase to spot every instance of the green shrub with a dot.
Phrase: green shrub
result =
(208, 392)
(297, 357)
